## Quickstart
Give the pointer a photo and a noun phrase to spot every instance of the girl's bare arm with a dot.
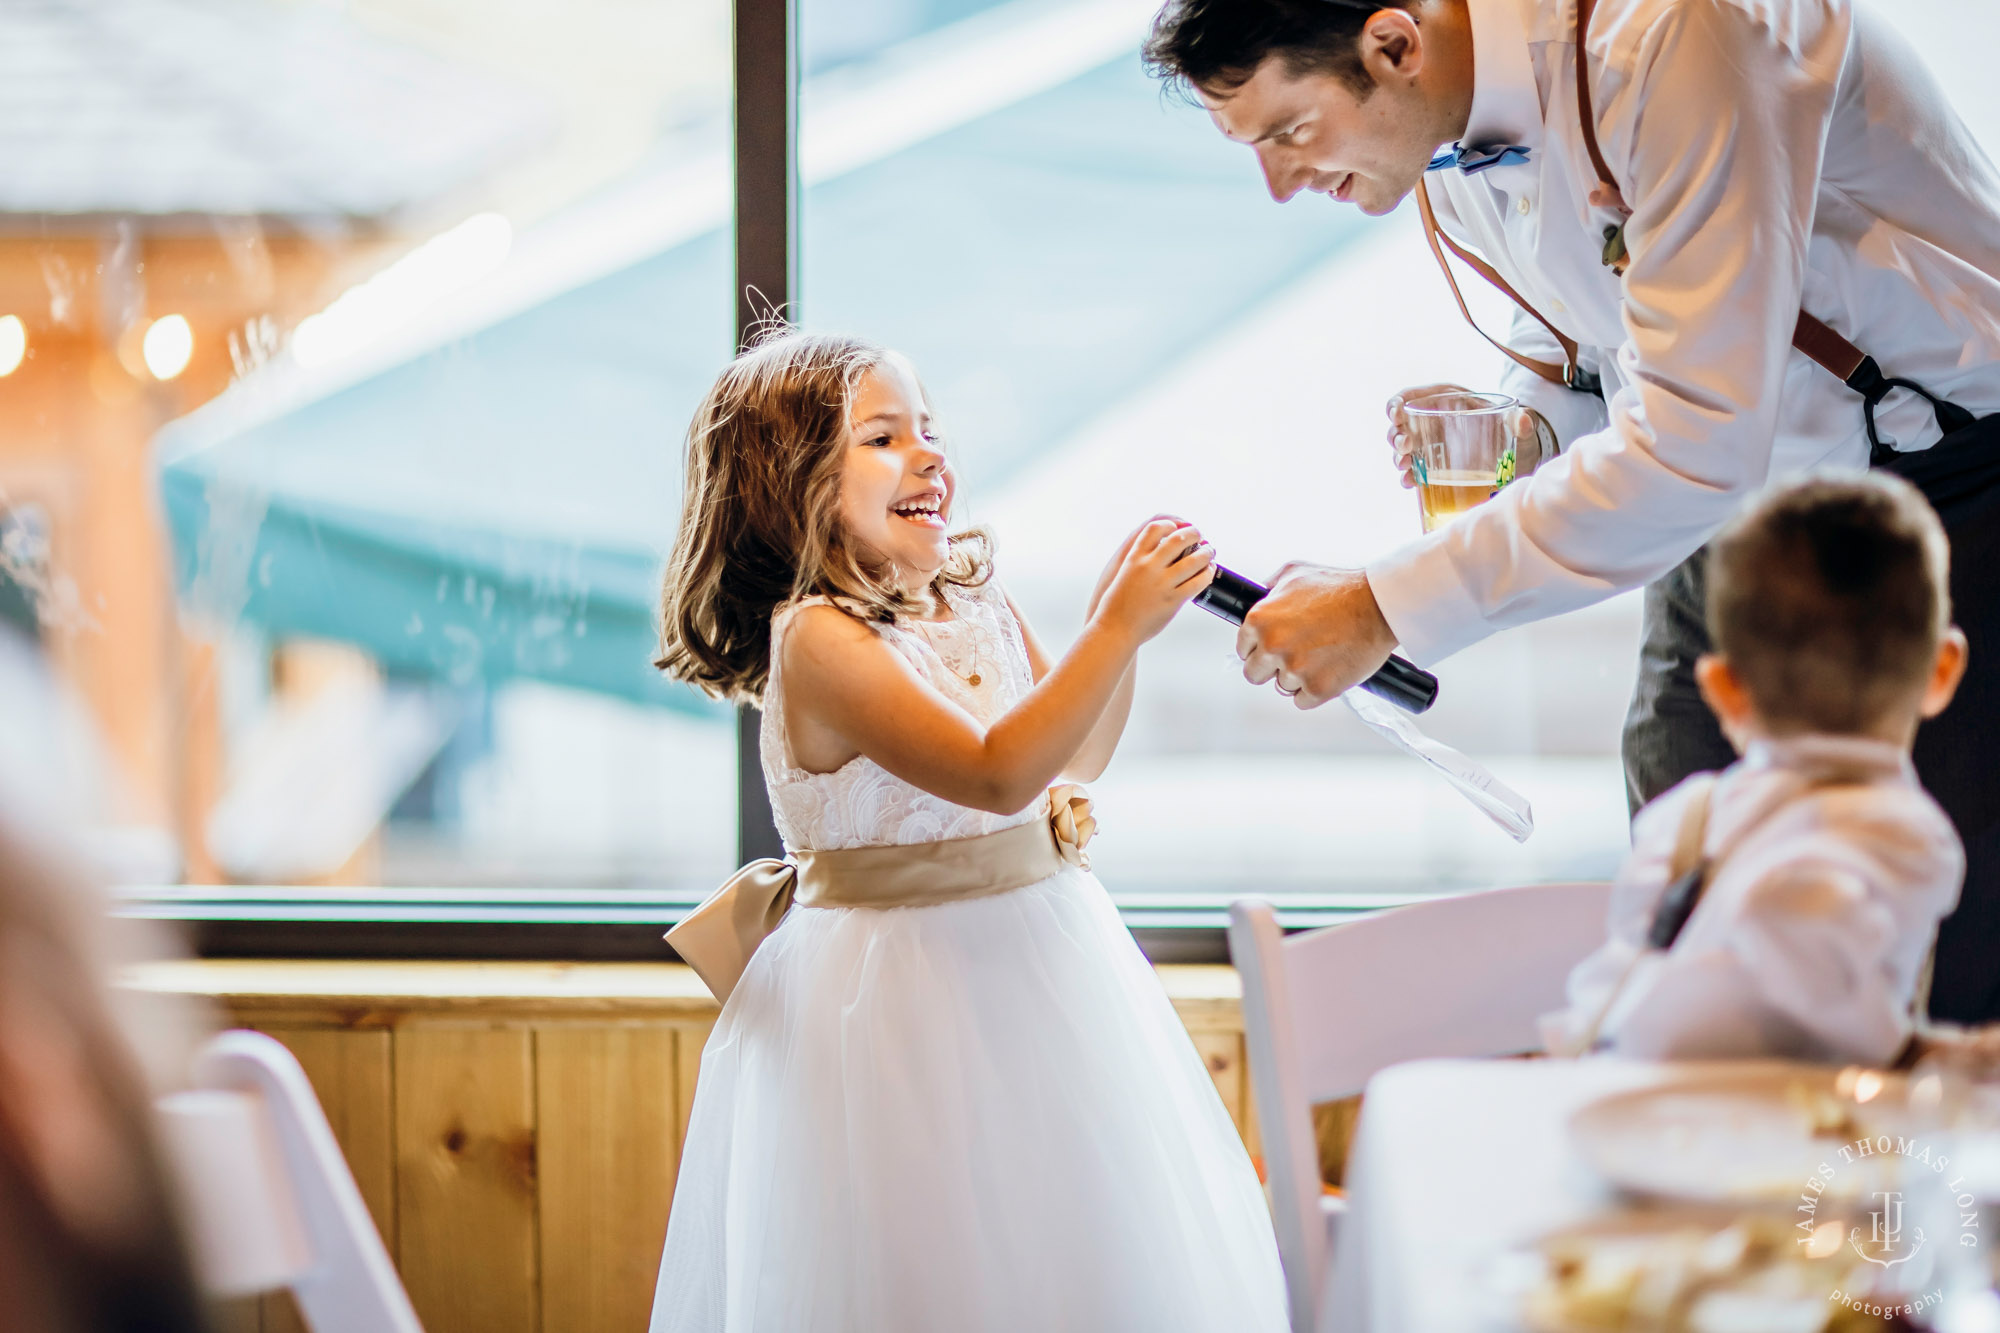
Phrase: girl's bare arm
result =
(848, 693)
(1094, 755)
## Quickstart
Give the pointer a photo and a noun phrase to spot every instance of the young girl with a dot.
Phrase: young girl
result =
(968, 1105)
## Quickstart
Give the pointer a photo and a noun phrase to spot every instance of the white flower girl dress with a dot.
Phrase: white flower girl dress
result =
(982, 1115)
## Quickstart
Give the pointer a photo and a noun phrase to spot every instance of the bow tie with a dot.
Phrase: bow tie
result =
(1472, 161)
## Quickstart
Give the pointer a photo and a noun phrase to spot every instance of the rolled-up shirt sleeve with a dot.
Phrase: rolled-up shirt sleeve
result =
(1716, 140)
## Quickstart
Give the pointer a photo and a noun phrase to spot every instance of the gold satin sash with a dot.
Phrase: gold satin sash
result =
(718, 937)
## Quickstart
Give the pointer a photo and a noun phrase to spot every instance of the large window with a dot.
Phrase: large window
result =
(345, 353)
(1113, 319)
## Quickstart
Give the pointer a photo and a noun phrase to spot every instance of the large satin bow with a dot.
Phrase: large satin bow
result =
(718, 937)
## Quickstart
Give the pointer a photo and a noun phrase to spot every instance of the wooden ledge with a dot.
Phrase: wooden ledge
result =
(381, 993)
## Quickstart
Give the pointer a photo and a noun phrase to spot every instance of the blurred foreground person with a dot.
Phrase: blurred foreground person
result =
(89, 1242)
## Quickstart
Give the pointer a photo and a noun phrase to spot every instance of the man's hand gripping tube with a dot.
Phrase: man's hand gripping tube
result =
(1400, 681)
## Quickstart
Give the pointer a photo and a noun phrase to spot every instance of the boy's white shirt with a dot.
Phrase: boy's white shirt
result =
(1780, 154)
(1813, 930)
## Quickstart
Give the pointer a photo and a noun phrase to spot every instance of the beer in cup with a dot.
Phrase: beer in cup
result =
(1466, 446)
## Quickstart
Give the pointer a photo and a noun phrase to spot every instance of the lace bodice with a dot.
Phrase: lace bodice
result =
(862, 805)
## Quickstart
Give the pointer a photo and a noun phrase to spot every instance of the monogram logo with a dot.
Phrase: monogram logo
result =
(1886, 1243)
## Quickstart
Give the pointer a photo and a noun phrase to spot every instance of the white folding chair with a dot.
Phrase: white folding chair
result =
(268, 1197)
(1325, 1010)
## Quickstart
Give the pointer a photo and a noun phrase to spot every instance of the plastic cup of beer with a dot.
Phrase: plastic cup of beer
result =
(1464, 447)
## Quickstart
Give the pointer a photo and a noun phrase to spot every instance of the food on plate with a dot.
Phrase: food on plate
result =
(1827, 1115)
(1667, 1273)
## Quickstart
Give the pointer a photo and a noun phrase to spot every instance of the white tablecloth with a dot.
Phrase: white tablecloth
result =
(1454, 1163)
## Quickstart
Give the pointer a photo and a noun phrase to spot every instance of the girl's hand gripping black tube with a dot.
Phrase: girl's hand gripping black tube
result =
(1400, 681)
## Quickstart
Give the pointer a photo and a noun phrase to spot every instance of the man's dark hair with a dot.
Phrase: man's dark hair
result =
(1214, 46)
(1828, 598)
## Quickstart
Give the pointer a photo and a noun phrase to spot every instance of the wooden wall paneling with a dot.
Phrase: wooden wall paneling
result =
(1222, 1052)
(516, 1127)
(608, 1140)
(466, 1177)
(281, 1314)
(238, 1314)
(351, 1075)
(1333, 1126)
(1253, 1134)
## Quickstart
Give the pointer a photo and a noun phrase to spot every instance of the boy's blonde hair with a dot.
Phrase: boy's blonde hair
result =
(760, 514)
(1829, 598)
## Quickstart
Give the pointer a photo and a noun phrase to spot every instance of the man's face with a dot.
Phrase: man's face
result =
(1313, 132)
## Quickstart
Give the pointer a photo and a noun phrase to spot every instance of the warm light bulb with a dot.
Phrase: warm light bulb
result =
(13, 343)
(168, 347)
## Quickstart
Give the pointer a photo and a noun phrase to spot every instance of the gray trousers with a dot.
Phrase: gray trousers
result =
(1669, 732)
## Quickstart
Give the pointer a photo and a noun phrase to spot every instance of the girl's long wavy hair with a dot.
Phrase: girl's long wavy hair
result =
(760, 515)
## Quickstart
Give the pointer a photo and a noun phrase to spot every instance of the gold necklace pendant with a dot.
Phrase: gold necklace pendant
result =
(973, 679)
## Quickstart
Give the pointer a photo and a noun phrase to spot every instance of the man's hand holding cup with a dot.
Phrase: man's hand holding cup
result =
(1534, 439)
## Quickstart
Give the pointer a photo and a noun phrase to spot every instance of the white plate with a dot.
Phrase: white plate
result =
(1747, 1136)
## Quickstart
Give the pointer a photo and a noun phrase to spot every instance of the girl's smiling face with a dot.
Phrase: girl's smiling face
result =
(896, 489)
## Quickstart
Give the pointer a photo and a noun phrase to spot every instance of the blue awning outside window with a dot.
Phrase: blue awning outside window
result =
(499, 507)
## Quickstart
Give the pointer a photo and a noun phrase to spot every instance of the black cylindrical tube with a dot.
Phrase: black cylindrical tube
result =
(1400, 681)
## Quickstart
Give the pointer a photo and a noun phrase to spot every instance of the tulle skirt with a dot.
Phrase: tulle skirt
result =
(980, 1116)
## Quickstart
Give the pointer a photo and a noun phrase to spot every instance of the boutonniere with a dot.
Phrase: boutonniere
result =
(1615, 256)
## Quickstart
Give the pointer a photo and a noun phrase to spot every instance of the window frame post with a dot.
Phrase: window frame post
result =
(766, 163)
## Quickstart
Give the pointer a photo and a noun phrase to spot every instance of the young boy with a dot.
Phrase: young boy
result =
(1825, 868)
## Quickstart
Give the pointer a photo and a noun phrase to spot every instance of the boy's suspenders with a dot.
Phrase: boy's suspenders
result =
(1690, 867)
(1841, 358)
(1688, 870)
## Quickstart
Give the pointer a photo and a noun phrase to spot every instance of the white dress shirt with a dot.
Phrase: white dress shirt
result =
(1818, 915)
(1777, 154)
